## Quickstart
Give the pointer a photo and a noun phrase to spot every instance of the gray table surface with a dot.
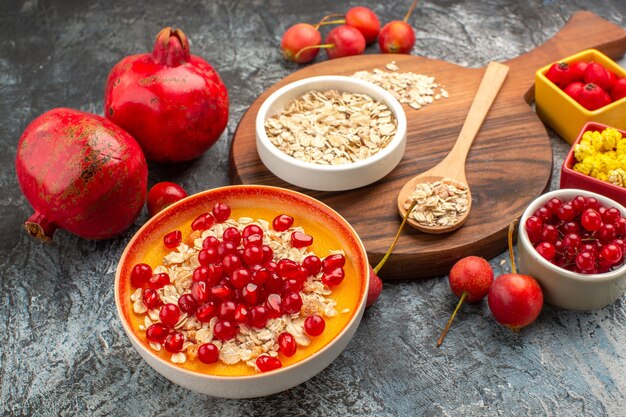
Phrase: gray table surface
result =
(62, 348)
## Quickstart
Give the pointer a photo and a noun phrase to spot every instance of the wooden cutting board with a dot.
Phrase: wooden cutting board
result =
(509, 164)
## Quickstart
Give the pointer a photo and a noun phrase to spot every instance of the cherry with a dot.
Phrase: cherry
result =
(292, 303)
(240, 278)
(172, 239)
(242, 314)
(585, 261)
(210, 242)
(299, 37)
(282, 222)
(607, 233)
(365, 21)
(267, 363)
(227, 310)
(174, 342)
(208, 353)
(162, 195)
(343, 41)
(206, 312)
(334, 277)
(158, 281)
(157, 332)
(224, 330)
(221, 212)
(208, 256)
(258, 317)
(566, 212)
(203, 222)
(187, 304)
(312, 264)
(151, 298)
(515, 300)
(591, 220)
(140, 275)
(169, 314)
(273, 304)
(232, 234)
(469, 279)
(314, 325)
(612, 254)
(547, 250)
(560, 74)
(301, 240)
(253, 255)
(287, 344)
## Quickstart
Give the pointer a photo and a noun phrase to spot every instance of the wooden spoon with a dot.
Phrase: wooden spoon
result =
(453, 165)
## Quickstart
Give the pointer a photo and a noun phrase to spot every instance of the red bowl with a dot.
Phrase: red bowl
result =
(573, 179)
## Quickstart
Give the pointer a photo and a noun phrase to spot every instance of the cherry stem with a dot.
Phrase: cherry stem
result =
(328, 16)
(408, 14)
(395, 240)
(326, 45)
(445, 329)
(511, 254)
(332, 22)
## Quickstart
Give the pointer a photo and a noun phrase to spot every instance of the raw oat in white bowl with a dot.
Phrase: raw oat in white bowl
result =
(331, 133)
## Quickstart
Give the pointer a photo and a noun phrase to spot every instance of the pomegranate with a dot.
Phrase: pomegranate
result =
(172, 102)
(80, 173)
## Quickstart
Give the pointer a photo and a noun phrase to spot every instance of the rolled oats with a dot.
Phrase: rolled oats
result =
(440, 203)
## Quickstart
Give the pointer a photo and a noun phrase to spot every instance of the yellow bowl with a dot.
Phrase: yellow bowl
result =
(563, 114)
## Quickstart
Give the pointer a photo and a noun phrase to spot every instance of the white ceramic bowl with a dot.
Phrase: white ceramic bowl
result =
(179, 216)
(329, 177)
(563, 288)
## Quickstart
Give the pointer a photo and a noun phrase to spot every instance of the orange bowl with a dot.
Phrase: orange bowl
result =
(564, 114)
(329, 230)
(574, 179)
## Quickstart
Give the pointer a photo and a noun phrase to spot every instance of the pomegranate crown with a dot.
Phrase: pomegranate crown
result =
(171, 47)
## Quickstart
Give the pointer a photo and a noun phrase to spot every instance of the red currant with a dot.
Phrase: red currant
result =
(612, 253)
(607, 233)
(591, 220)
(592, 203)
(571, 243)
(611, 215)
(549, 233)
(546, 250)
(620, 226)
(566, 212)
(579, 203)
(569, 227)
(585, 261)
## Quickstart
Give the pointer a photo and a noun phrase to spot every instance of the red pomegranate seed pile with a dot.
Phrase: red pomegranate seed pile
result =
(239, 281)
(579, 235)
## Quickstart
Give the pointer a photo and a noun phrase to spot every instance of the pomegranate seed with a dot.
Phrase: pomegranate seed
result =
(242, 314)
(232, 235)
(267, 363)
(253, 240)
(227, 310)
(271, 266)
(201, 273)
(215, 274)
(187, 304)
(273, 305)
(258, 317)
(208, 353)
(250, 294)
(169, 314)
(230, 263)
(203, 222)
(312, 264)
(208, 256)
(158, 281)
(210, 242)
(287, 268)
(314, 325)
(287, 344)
(333, 262)
(224, 330)
(174, 342)
(206, 312)
(140, 275)
(252, 229)
(226, 248)
(199, 291)
(252, 255)
(151, 298)
(157, 332)
(274, 283)
(240, 278)
(222, 292)
(260, 276)
(301, 240)
(173, 239)
(293, 285)
(292, 303)
(240, 253)
(268, 253)
(282, 222)
(221, 212)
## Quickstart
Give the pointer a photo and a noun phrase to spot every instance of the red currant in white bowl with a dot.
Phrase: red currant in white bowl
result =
(573, 242)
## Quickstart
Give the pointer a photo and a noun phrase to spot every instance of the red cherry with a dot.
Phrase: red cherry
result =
(267, 363)
(258, 317)
(240, 278)
(210, 242)
(224, 330)
(157, 332)
(299, 43)
(169, 314)
(273, 305)
(172, 239)
(174, 342)
(301, 240)
(591, 220)
(158, 281)
(221, 212)
(208, 353)
(334, 277)
(515, 300)
(287, 344)
(282, 222)
(187, 304)
(345, 41)
(140, 275)
(206, 312)
(203, 222)
(292, 303)
(151, 298)
(396, 37)
(314, 325)
(546, 250)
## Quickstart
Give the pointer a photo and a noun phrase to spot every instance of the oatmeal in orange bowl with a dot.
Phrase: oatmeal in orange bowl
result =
(239, 285)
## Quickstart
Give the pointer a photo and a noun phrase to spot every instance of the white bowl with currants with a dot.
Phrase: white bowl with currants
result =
(573, 242)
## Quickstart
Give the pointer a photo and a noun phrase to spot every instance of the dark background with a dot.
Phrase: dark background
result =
(62, 348)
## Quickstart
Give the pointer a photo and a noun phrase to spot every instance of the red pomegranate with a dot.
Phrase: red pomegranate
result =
(172, 102)
(82, 173)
